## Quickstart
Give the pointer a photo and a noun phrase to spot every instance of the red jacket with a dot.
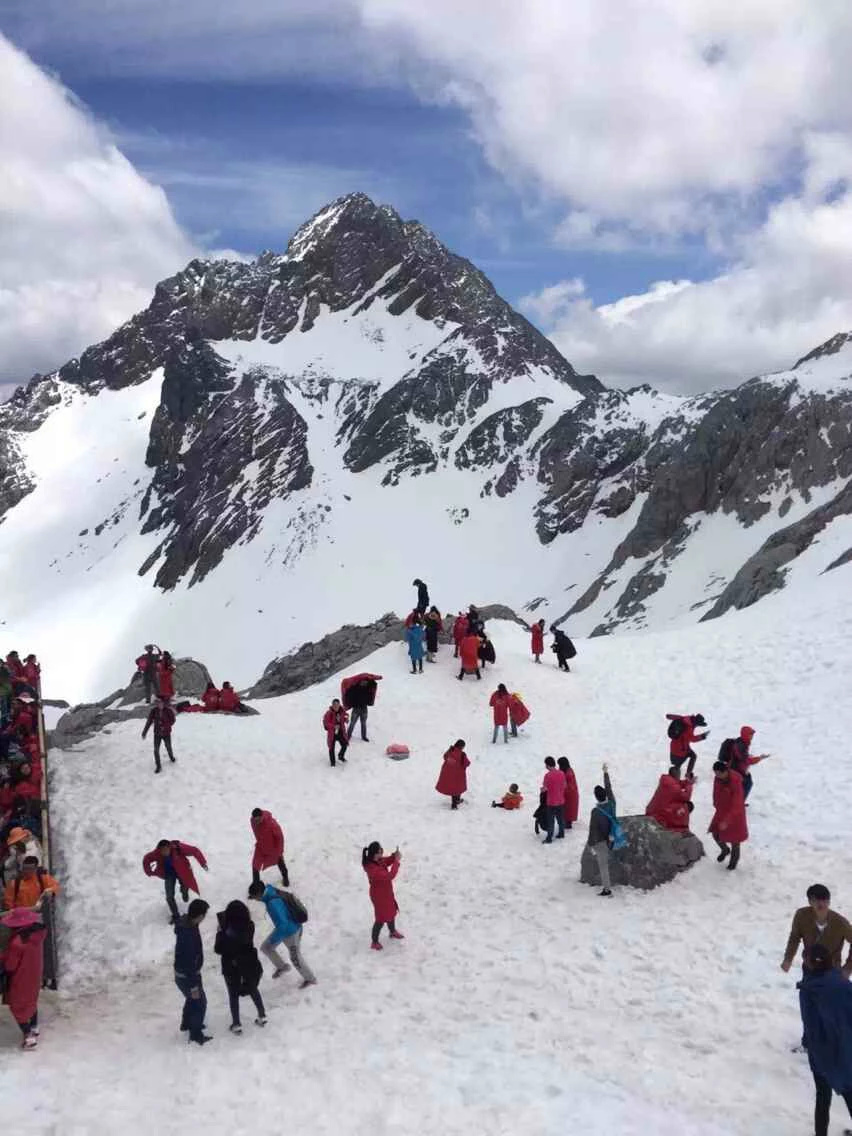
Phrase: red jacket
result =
(500, 704)
(229, 700)
(729, 822)
(153, 863)
(16, 668)
(165, 680)
(668, 804)
(333, 721)
(537, 640)
(679, 747)
(381, 873)
(24, 720)
(572, 797)
(32, 673)
(459, 629)
(269, 842)
(518, 711)
(554, 785)
(469, 651)
(210, 698)
(452, 780)
(162, 718)
(23, 961)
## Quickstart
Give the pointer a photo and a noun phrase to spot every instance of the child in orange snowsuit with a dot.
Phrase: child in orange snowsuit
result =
(511, 800)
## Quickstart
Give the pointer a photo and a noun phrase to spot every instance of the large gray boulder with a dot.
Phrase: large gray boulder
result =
(653, 856)
(190, 680)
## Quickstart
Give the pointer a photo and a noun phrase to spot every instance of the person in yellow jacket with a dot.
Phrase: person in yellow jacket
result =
(30, 887)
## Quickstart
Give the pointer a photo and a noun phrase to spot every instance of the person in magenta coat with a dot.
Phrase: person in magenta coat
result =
(268, 846)
(729, 827)
(537, 634)
(499, 703)
(553, 786)
(23, 962)
(381, 872)
(452, 780)
(572, 793)
(169, 861)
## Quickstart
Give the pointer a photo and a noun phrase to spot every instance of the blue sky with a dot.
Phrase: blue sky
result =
(666, 195)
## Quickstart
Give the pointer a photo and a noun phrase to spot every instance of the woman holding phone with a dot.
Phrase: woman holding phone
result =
(381, 871)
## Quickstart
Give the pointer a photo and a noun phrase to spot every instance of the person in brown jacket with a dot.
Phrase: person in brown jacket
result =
(817, 923)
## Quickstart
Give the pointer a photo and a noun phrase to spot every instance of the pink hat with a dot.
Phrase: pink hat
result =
(20, 917)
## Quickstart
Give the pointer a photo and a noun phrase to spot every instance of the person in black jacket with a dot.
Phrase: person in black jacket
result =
(563, 647)
(600, 827)
(189, 959)
(162, 718)
(422, 596)
(241, 967)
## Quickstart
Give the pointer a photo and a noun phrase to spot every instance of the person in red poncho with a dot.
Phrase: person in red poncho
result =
(268, 847)
(169, 861)
(469, 651)
(452, 780)
(729, 827)
(499, 703)
(459, 631)
(23, 963)
(518, 713)
(229, 700)
(537, 637)
(381, 872)
(669, 805)
(572, 793)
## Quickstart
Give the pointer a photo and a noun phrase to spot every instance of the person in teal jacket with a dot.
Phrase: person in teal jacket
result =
(416, 638)
(286, 931)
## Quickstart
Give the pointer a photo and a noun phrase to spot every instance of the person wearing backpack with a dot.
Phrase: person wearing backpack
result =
(288, 916)
(734, 753)
(602, 826)
(30, 886)
(241, 967)
(682, 734)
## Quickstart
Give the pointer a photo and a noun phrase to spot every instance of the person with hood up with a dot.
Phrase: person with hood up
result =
(459, 632)
(433, 623)
(381, 872)
(147, 667)
(518, 713)
(469, 651)
(729, 827)
(563, 647)
(268, 846)
(285, 930)
(189, 959)
(334, 723)
(452, 780)
(210, 698)
(600, 828)
(162, 717)
(825, 1002)
(422, 596)
(415, 637)
(682, 734)
(553, 786)
(669, 804)
(537, 634)
(169, 861)
(241, 967)
(23, 963)
(734, 752)
(499, 703)
(572, 793)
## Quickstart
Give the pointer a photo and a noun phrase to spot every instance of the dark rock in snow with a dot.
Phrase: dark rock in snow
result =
(653, 856)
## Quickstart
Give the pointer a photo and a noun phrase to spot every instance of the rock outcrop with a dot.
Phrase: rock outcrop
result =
(653, 856)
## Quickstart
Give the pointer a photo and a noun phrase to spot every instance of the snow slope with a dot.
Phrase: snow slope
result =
(519, 1000)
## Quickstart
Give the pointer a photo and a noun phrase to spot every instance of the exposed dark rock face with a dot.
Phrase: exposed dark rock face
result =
(654, 855)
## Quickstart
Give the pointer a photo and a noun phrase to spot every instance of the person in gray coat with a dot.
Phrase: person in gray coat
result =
(600, 827)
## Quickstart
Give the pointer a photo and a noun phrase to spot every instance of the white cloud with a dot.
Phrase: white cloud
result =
(83, 237)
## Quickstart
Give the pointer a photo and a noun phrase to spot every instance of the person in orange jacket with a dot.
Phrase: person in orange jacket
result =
(511, 800)
(30, 887)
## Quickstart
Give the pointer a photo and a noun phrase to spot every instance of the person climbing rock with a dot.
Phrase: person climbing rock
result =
(669, 804)
(381, 871)
(682, 735)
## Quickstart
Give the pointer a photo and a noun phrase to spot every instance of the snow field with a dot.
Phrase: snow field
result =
(519, 999)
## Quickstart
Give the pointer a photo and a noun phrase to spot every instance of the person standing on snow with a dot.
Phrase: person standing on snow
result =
(572, 793)
(600, 829)
(286, 930)
(381, 872)
(734, 752)
(334, 724)
(459, 632)
(469, 651)
(241, 967)
(147, 664)
(189, 959)
(268, 847)
(499, 702)
(825, 1002)
(518, 713)
(682, 734)
(23, 964)
(433, 624)
(166, 676)
(162, 718)
(359, 694)
(818, 924)
(422, 596)
(169, 861)
(452, 780)
(537, 632)
(415, 637)
(563, 647)
(729, 827)
(553, 786)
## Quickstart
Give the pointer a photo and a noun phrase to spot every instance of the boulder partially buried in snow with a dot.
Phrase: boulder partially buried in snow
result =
(190, 681)
(653, 856)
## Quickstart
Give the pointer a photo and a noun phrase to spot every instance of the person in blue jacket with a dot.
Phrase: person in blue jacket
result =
(825, 1000)
(416, 637)
(189, 959)
(286, 931)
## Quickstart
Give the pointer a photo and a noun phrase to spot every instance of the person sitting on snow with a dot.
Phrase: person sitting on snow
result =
(511, 800)
(229, 700)
(211, 698)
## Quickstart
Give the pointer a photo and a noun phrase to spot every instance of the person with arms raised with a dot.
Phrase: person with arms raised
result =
(601, 825)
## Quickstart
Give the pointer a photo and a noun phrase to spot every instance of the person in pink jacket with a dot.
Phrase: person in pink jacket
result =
(499, 703)
(23, 962)
(553, 786)
(381, 872)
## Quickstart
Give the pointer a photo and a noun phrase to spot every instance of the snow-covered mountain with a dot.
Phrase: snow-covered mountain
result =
(273, 449)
